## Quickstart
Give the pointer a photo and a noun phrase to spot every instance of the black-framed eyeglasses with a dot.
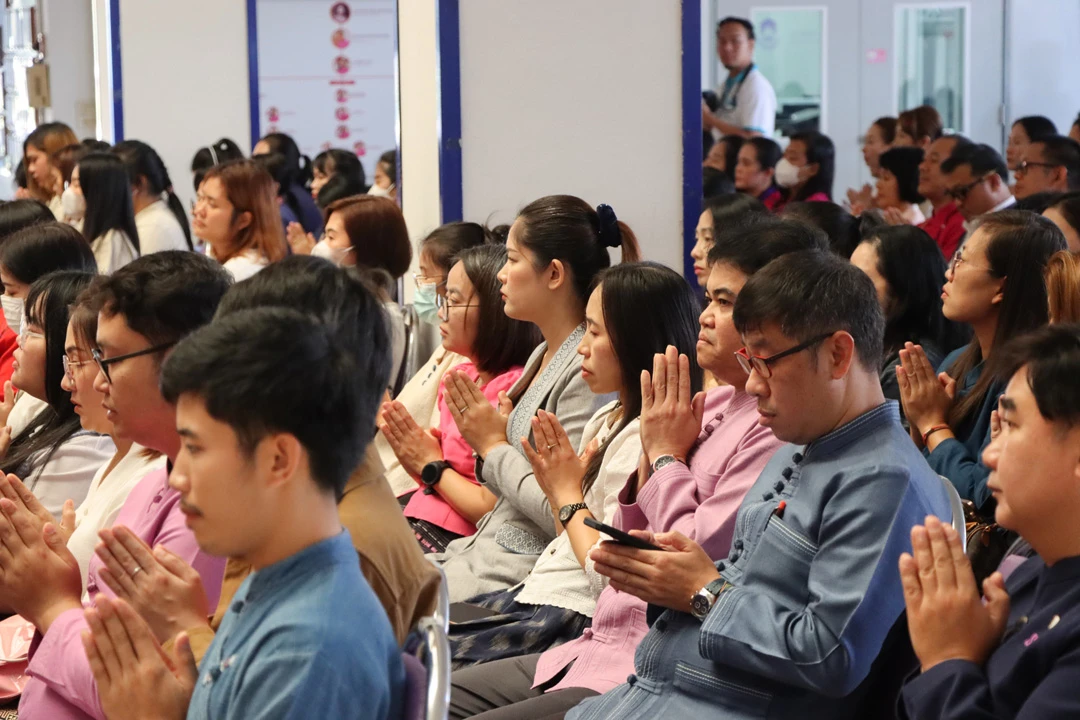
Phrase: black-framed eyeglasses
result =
(444, 306)
(959, 194)
(763, 366)
(1023, 166)
(104, 363)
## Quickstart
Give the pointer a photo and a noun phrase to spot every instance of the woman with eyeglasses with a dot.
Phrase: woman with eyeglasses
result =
(129, 464)
(438, 252)
(450, 501)
(995, 285)
(556, 248)
(25, 256)
(52, 455)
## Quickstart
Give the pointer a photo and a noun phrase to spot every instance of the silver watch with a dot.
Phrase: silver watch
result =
(705, 598)
(662, 462)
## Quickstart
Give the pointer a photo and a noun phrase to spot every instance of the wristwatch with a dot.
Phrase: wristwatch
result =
(705, 598)
(662, 462)
(566, 512)
(432, 474)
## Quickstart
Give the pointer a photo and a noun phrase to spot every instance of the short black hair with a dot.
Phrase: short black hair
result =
(338, 187)
(1069, 207)
(1063, 151)
(903, 163)
(45, 247)
(982, 159)
(446, 242)
(162, 296)
(840, 226)
(336, 297)
(766, 150)
(728, 210)
(738, 21)
(758, 240)
(715, 183)
(1052, 357)
(272, 370)
(18, 214)
(1038, 202)
(1037, 127)
(811, 293)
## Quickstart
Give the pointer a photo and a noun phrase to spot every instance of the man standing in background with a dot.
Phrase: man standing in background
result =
(747, 100)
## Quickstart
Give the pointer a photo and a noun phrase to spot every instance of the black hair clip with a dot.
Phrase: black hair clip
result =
(610, 234)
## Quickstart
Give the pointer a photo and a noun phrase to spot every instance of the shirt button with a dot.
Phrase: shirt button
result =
(738, 544)
(797, 458)
(660, 625)
(779, 486)
(787, 473)
(237, 606)
(631, 680)
(767, 496)
(719, 416)
(709, 429)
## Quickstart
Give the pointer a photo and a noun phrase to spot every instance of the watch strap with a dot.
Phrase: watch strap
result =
(568, 511)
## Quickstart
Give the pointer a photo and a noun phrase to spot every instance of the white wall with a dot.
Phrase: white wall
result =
(418, 88)
(69, 51)
(1043, 54)
(184, 67)
(584, 98)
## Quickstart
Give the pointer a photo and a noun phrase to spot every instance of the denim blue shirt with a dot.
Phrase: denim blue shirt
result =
(303, 638)
(960, 458)
(814, 588)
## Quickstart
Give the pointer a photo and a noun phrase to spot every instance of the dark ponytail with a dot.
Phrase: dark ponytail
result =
(142, 161)
(566, 228)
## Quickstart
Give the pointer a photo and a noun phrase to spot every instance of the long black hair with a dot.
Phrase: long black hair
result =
(297, 165)
(912, 265)
(338, 187)
(1019, 249)
(107, 190)
(566, 228)
(821, 152)
(210, 156)
(502, 342)
(47, 306)
(647, 307)
(146, 169)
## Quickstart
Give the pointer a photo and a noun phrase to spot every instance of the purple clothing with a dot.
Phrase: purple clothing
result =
(61, 685)
(699, 501)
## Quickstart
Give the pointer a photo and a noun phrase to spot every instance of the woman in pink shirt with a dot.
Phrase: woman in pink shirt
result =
(450, 500)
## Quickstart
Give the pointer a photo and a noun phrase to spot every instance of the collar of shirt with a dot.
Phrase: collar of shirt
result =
(279, 576)
(1003, 205)
(732, 84)
(887, 412)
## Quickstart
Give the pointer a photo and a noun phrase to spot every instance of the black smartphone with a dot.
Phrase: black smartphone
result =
(618, 536)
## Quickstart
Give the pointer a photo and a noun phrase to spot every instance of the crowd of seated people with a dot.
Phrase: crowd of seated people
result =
(648, 496)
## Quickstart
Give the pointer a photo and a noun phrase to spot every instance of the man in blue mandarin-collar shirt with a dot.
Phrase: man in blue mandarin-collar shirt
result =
(789, 624)
(275, 410)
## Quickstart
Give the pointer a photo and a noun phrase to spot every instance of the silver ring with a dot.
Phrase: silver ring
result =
(136, 571)
(552, 445)
(463, 410)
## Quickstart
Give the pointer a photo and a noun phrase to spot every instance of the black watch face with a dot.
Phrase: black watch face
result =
(430, 474)
(699, 605)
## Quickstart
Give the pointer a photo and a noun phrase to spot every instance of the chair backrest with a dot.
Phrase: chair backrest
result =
(427, 671)
(957, 505)
(442, 605)
(408, 360)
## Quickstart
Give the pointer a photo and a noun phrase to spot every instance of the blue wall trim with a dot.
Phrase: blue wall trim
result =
(691, 128)
(448, 35)
(116, 71)
(253, 68)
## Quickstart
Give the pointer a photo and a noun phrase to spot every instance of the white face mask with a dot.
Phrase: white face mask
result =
(335, 255)
(13, 312)
(380, 191)
(787, 175)
(74, 204)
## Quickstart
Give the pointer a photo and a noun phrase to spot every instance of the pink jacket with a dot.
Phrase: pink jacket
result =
(61, 685)
(458, 453)
(701, 502)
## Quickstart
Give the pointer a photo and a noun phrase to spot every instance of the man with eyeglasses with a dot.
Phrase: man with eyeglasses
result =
(789, 624)
(144, 309)
(977, 178)
(1049, 165)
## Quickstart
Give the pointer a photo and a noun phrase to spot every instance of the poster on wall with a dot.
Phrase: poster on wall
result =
(326, 75)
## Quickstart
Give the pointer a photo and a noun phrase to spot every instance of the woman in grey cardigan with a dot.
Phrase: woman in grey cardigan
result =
(556, 248)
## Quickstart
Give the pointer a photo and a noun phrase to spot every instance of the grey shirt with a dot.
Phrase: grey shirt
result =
(509, 539)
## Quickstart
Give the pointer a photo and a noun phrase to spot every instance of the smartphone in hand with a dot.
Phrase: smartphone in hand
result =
(620, 537)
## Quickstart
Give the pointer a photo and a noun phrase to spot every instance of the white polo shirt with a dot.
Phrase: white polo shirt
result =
(748, 101)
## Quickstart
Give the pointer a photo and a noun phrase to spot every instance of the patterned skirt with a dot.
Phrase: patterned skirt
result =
(517, 629)
(432, 538)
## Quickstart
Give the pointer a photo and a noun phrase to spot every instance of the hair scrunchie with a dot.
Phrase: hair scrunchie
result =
(610, 234)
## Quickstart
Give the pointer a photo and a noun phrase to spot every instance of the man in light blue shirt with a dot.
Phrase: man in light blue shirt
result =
(274, 410)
